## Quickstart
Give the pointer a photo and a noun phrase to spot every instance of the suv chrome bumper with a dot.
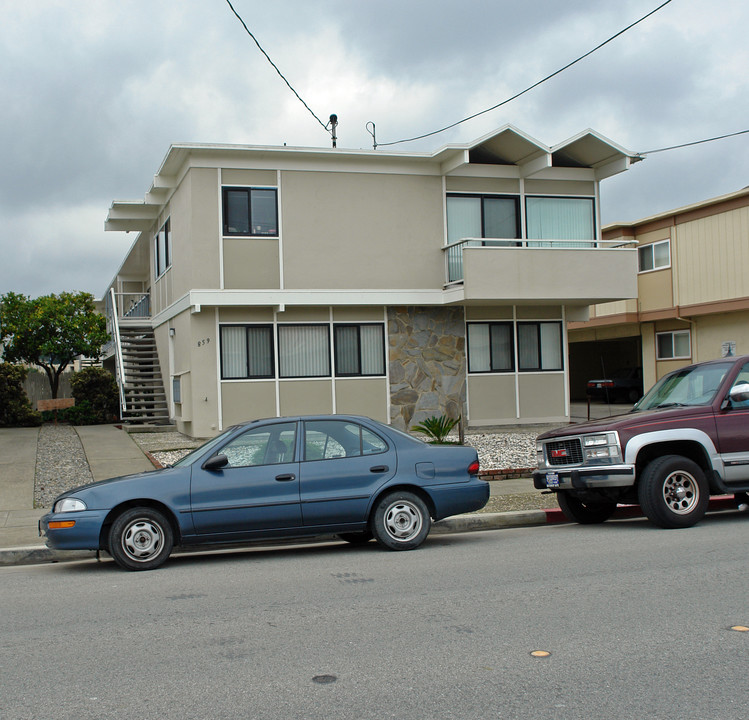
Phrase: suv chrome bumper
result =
(583, 478)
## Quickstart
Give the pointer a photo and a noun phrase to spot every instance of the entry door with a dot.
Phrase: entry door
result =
(344, 463)
(258, 490)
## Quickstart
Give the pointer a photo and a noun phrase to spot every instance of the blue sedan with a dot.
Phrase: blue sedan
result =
(270, 479)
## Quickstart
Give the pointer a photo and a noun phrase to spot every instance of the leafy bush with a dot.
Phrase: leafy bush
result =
(436, 428)
(15, 408)
(96, 397)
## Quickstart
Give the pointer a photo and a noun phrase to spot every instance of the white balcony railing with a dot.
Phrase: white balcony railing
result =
(454, 251)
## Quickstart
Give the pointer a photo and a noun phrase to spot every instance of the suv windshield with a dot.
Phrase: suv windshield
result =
(694, 385)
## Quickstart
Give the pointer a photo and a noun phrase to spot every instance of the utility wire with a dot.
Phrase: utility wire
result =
(275, 67)
(696, 142)
(528, 89)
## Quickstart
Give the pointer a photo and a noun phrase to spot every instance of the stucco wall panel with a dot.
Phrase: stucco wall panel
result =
(242, 401)
(251, 263)
(306, 397)
(362, 396)
(351, 231)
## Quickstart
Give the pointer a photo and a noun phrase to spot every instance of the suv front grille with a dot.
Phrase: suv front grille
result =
(564, 452)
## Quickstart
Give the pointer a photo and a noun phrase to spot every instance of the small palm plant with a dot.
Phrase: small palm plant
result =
(436, 428)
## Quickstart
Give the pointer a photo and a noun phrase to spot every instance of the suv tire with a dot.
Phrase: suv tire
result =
(673, 492)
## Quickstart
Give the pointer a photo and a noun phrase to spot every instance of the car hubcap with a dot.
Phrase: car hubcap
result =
(681, 492)
(403, 520)
(142, 540)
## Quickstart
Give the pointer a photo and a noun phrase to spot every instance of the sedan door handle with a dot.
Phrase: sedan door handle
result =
(286, 478)
(379, 469)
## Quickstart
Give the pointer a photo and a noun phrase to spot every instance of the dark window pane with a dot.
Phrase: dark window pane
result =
(500, 218)
(264, 217)
(237, 220)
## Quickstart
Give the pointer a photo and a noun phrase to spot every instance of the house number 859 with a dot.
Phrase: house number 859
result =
(204, 342)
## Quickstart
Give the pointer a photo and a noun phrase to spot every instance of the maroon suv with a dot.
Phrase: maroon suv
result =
(686, 439)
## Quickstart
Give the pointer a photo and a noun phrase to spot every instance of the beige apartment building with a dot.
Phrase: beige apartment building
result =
(692, 294)
(270, 281)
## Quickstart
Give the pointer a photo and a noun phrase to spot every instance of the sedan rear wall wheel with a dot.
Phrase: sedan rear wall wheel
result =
(401, 521)
(673, 492)
(140, 539)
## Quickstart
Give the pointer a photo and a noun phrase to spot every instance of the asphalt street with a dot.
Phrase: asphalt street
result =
(636, 621)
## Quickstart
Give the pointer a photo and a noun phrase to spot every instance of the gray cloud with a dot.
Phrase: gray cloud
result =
(94, 93)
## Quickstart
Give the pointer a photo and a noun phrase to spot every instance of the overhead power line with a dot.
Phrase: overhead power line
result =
(275, 67)
(531, 87)
(696, 142)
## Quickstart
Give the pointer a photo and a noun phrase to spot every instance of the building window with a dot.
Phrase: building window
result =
(163, 249)
(482, 216)
(490, 347)
(250, 212)
(246, 352)
(540, 346)
(304, 351)
(674, 345)
(560, 218)
(176, 389)
(654, 256)
(359, 350)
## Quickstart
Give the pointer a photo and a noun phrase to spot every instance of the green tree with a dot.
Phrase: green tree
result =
(51, 331)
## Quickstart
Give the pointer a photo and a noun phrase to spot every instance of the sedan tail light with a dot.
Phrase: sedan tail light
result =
(473, 468)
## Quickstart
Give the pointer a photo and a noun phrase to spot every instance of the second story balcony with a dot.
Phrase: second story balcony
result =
(542, 271)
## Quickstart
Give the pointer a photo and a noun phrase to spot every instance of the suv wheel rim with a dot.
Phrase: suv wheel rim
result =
(681, 492)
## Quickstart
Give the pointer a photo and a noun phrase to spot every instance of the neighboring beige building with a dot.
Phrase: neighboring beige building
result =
(692, 300)
(281, 281)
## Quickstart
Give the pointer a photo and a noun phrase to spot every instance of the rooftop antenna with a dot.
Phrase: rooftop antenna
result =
(372, 133)
(333, 123)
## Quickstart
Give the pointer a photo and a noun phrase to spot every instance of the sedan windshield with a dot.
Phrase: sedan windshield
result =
(695, 385)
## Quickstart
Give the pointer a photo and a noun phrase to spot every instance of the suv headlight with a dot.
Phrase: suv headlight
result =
(69, 505)
(604, 446)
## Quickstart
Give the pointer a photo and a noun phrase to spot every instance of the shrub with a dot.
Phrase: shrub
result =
(15, 408)
(96, 397)
(436, 428)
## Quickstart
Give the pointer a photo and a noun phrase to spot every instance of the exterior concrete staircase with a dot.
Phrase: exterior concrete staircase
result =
(144, 387)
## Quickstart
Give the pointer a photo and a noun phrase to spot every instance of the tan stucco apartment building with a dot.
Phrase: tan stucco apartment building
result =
(692, 294)
(398, 285)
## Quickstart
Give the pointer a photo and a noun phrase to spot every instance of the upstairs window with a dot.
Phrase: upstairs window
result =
(482, 216)
(163, 249)
(655, 256)
(250, 212)
(560, 218)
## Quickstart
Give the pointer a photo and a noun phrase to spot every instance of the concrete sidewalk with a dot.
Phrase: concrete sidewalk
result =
(109, 451)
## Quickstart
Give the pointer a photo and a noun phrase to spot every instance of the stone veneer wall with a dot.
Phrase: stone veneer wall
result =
(427, 364)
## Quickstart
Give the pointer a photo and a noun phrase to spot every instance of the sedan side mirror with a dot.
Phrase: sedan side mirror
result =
(216, 462)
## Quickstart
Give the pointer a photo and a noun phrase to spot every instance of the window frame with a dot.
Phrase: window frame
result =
(490, 196)
(593, 215)
(673, 333)
(492, 370)
(651, 248)
(538, 324)
(166, 230)
(280, 326)
(358, 326)
(246, 327)
(248, 190)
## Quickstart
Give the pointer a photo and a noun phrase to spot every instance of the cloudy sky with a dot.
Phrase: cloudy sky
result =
(95, 91)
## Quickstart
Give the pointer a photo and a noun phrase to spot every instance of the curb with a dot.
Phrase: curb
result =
(38, 555)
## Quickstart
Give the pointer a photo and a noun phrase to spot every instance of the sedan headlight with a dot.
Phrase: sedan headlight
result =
(69, 504)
